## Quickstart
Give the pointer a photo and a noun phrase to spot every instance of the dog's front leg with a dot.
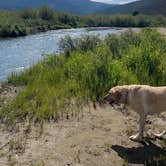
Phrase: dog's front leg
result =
(142, 122)
(139, 136)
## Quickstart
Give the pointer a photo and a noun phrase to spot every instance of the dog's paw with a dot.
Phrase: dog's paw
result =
(136, 138)
(161, 135)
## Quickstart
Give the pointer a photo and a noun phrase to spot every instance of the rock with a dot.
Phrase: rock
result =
(68, 163)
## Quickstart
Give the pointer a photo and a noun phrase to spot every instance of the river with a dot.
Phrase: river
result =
(17, 54)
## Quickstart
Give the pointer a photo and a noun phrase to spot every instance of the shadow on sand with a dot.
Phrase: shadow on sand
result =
(148, 154)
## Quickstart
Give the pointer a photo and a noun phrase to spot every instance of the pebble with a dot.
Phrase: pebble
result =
(68, 163)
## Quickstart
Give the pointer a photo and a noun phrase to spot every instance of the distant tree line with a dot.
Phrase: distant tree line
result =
(21, 23)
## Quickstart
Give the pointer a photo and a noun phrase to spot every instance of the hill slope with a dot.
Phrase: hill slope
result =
(142, 6)
(74, 6)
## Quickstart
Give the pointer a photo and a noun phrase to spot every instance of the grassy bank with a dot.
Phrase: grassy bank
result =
(21, 23)
(84, 72)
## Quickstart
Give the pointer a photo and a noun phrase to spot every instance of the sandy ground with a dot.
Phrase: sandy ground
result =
(96, 137)
(162, 30)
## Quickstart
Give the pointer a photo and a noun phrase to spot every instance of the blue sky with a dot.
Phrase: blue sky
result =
(114, 1)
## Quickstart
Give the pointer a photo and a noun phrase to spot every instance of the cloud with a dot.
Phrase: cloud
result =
(114, 1)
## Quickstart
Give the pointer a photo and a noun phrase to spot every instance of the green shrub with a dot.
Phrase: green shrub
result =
(84, 43)
(12, 31)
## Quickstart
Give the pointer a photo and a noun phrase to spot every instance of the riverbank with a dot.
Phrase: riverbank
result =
(19, 54)
(32, 21)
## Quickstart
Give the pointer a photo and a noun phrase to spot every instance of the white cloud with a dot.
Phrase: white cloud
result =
(114, 1)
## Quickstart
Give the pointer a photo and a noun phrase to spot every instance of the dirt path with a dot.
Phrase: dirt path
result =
(98, 138)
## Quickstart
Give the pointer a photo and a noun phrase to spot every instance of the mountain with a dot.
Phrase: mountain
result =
(73, 6)
(142, 6)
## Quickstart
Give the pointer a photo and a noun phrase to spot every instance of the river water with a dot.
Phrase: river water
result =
(17, 54)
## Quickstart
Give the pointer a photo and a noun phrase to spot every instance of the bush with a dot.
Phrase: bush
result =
(85, 43)
(12, 31)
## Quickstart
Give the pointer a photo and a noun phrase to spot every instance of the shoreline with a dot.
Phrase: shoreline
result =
(48, 48)
(136, 29)
(87, 28)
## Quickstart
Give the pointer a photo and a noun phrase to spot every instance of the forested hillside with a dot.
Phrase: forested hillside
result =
(142, 6)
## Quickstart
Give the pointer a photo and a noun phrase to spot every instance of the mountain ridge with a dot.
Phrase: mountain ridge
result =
(72, 6)
(152, 7)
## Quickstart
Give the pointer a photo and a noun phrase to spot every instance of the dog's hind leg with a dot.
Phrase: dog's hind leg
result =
(139, 136)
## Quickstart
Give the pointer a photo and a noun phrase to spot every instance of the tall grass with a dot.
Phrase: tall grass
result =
(63, 84)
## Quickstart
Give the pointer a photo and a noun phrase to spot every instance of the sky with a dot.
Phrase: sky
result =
(114, 1)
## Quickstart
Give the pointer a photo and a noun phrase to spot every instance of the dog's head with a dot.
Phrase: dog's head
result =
(116, 95)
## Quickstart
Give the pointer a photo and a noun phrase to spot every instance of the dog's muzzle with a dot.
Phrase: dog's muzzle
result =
(109, 100)
(106, 97)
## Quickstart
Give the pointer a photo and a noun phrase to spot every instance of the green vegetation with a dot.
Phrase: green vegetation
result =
(84, 73)
(123, 20)
(21, 23)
